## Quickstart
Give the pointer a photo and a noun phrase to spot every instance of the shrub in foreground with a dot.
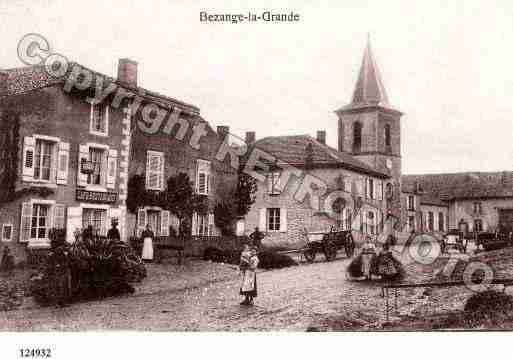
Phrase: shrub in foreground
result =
(489, 308)
(92, 267)
(267, 259)
(274, 260)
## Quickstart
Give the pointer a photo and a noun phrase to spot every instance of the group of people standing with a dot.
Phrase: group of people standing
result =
(371, 262)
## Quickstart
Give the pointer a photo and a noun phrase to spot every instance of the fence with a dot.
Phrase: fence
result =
(190, 247)
(385, 290)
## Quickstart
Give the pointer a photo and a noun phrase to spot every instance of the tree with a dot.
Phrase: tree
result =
(245, 193)
(242, 198)
(136, 193)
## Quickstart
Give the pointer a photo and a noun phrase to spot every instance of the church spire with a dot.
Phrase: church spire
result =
(369, 89)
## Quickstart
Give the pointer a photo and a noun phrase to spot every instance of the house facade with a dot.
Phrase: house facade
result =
(185, 143)
(319, 187)
(473, 201)
(67, 160)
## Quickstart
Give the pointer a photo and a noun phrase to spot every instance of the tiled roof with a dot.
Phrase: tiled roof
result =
(369, 90)
(292, 150)
(448, 186)
(25, 79)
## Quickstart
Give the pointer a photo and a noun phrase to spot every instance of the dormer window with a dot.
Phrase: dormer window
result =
(273, 183)
(99, 124)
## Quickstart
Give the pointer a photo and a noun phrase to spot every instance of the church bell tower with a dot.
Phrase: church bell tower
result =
(369, 128)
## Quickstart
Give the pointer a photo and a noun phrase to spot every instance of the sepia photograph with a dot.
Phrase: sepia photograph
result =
(280, 166)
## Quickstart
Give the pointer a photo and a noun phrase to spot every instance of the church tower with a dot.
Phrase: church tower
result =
(369, 128)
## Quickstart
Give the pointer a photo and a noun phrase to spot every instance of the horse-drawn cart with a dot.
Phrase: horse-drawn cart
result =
(328, 243)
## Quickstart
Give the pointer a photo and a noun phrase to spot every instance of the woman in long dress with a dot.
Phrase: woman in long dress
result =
(248, 265)
(147, 236)
(368, 254)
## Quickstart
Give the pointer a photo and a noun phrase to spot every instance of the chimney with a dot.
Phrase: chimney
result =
(222, 131)
(321, 137)
(127, 72)
(250, 137)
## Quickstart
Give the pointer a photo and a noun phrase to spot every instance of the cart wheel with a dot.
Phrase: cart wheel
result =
(310, 255)
(349, 246)
(330, 251)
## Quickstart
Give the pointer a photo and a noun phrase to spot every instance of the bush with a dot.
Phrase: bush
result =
(488, 301)
(274, 260)
(489, 308)
(92, 267)
(221, 256)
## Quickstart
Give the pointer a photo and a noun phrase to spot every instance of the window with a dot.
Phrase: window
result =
(431, 221)
(99, 119)
(357, 137)
(40, 221)
(97, 159)
(96, 218)
(273, 183)
(155, 170)
(388, 142)
(154, 220)
(478, 208)
(6, 232)
(478, 225)
(273, 219)
(159, 221)
(43, 161)
(441, 224)
(203, 225)
(348, 219)
(411, 203)
(203, 177)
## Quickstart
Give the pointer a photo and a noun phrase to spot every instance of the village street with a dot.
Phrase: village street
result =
(204, 296)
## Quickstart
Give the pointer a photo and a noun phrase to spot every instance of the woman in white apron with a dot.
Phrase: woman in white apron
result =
(147, 236)
(368, 254)
(248, 265)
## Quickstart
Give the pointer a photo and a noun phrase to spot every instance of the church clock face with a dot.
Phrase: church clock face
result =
(388, 163)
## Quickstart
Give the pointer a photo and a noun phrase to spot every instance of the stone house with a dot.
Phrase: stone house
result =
(314, 187)
(48, 137)
(473, 201)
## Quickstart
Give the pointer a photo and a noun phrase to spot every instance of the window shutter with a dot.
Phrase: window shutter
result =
(148, 173)
(141, 221)
(360, 186)
(202, 183)
(164, 223)
(59, 216)
(211, 225)
(112, 168)
(162, 170)
(154, 171)
(263, 220)
(194, 225)
(378, 189)
(62, 163)
(74, 222)
(29, 144)
(26, 219)
(83, 155)
(283, 219)
(270, 183)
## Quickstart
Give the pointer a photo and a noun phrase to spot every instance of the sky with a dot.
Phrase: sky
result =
(446, 65)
